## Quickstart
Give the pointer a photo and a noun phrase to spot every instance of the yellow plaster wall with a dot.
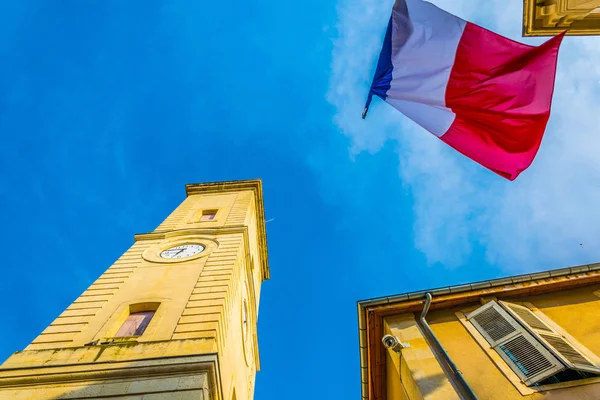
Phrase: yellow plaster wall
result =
(483, 376)
(395, 386)
(68, 326)
(576, 311)
(200, 302)
(422, 375)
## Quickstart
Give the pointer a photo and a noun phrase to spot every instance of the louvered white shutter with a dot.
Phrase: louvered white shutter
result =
(554, 341)
(520, 350)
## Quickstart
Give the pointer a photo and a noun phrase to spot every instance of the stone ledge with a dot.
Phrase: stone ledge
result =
(109, 353)
(192, 376)
(52, 374)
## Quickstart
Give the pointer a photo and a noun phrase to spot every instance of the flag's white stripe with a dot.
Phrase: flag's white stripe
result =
(423, 53)
(436, 119)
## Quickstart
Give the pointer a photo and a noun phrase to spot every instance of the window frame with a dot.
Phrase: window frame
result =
(107, 333)
(507, 371)
(198, 215)
(518, 333)
(551, 332)
(144, 322)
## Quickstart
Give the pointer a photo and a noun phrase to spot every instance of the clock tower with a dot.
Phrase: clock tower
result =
(173, 318)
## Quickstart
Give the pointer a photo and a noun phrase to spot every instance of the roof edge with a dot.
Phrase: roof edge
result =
(466, 287)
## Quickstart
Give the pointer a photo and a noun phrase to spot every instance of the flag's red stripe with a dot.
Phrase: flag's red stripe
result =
(501, 92)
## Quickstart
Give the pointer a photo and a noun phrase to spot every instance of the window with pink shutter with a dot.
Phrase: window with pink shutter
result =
(135, 324)
(208, 215)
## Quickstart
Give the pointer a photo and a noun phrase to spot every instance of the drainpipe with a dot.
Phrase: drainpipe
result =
(457, 373)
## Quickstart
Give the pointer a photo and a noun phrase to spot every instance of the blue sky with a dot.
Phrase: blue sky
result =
(107, 109)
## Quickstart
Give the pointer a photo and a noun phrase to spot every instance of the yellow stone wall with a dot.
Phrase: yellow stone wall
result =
(199, 319)
(416, 373)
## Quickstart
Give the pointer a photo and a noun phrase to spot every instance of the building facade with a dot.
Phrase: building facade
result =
(174, 317)
(551, 17)
(534, 336)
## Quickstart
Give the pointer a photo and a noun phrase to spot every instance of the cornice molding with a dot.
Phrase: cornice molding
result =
(160, 235)
(53, 374)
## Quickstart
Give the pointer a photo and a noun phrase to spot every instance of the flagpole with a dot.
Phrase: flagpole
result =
(366, 110)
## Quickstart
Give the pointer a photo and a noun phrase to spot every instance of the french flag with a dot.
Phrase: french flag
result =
(484, 95)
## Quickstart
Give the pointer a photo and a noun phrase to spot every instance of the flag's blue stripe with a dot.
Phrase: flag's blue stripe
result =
(383, 72)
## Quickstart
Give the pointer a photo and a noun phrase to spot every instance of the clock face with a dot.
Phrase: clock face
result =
(185, 250)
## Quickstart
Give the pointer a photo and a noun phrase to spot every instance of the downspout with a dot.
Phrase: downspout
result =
(457, 373)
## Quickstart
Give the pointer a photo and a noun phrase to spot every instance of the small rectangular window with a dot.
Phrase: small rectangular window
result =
(135, 324)
(208, 215)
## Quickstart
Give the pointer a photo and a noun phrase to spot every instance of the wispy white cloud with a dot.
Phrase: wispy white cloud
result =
(535, 222)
